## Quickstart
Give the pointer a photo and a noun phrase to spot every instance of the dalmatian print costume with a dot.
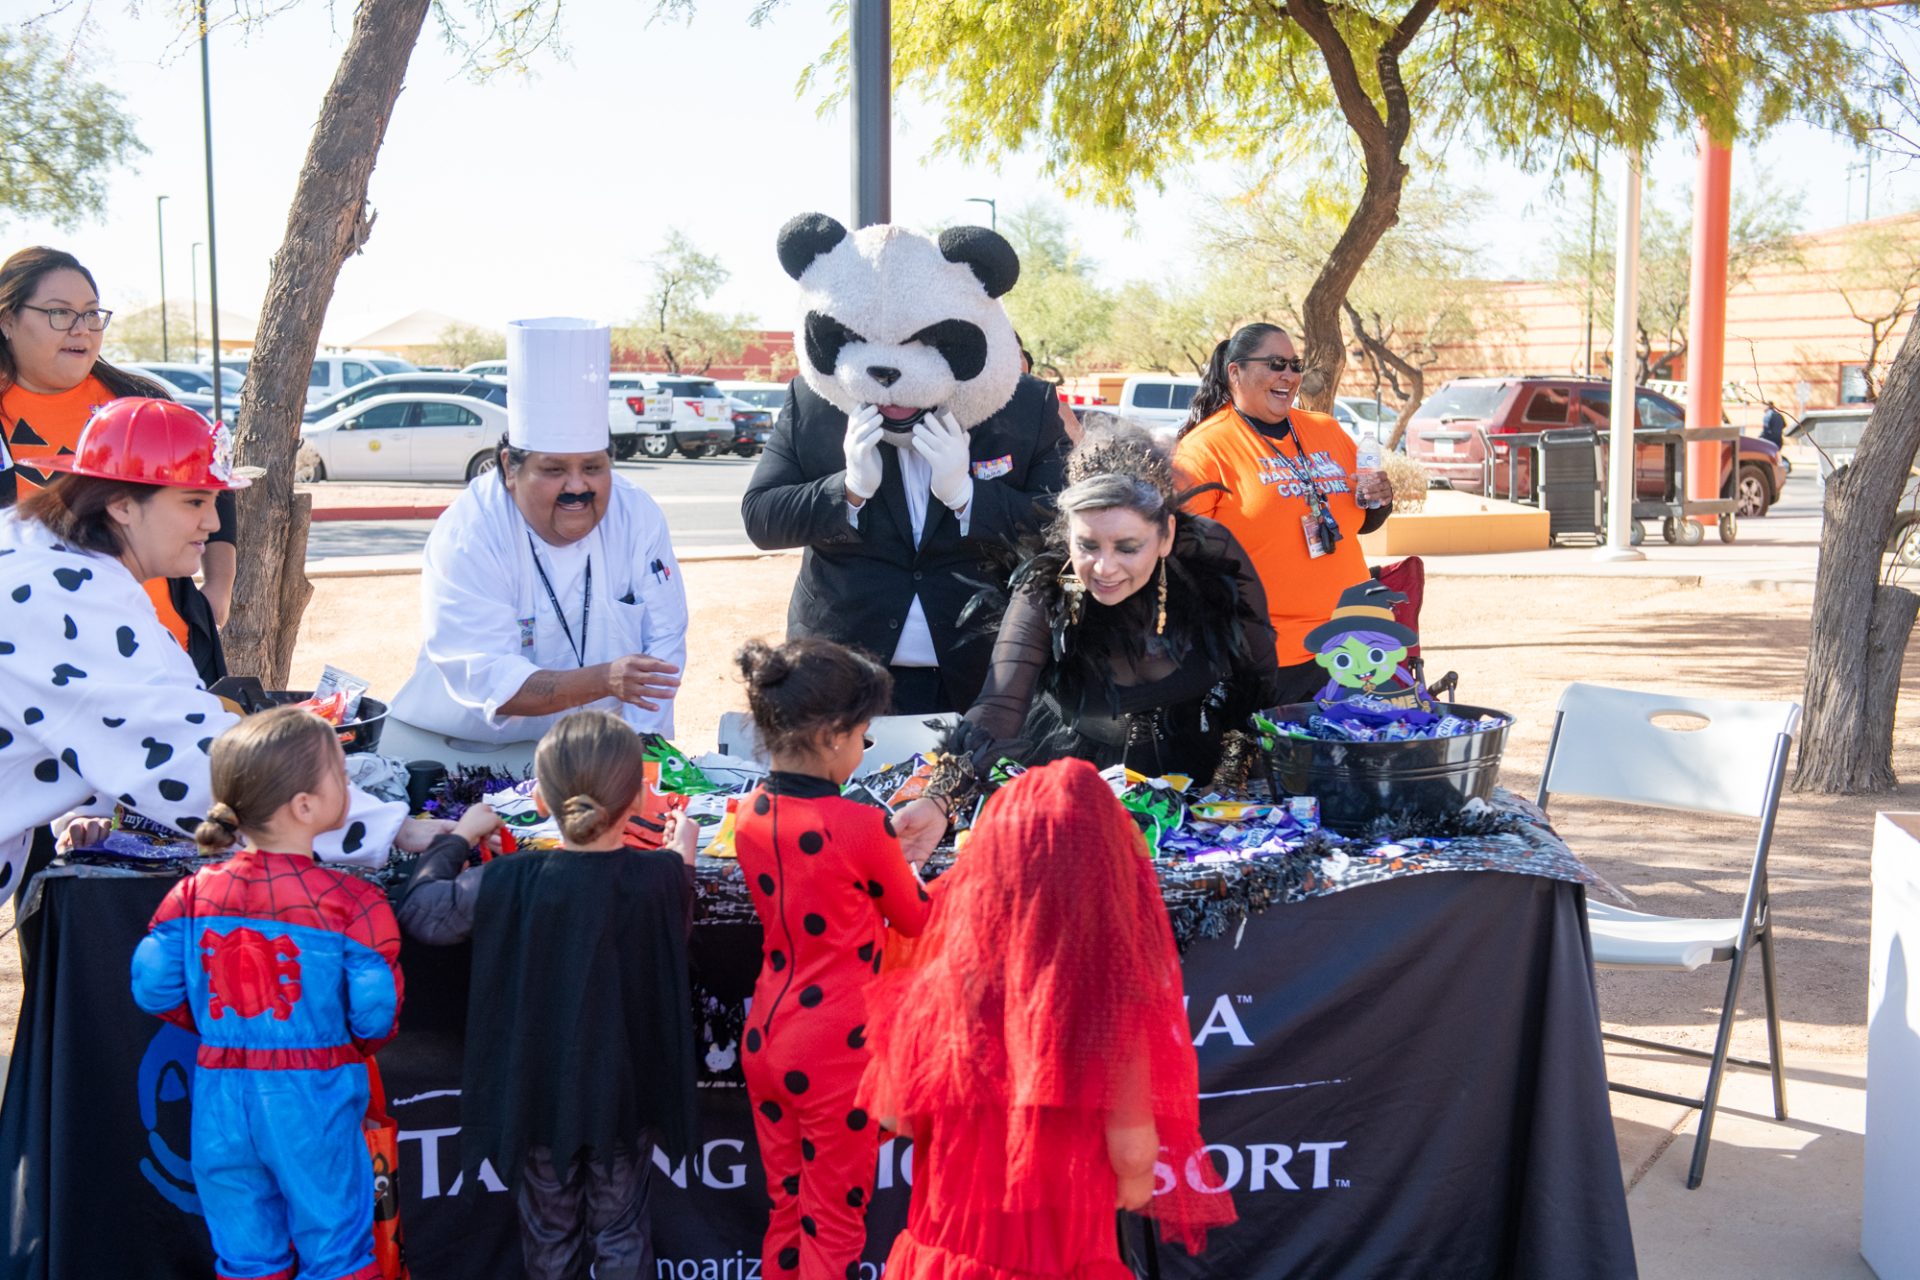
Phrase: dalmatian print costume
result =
(100, 706)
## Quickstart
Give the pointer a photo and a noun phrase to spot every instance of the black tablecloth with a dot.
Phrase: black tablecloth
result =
(1402, 1079)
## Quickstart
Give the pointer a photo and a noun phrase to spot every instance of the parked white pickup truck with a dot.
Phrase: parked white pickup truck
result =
(652, 414)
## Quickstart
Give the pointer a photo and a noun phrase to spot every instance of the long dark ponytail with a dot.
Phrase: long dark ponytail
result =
(1215, 392)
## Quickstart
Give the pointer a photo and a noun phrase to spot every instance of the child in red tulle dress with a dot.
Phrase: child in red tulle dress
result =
(1039, 1055)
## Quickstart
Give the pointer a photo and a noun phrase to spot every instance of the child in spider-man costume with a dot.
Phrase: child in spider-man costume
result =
(827, 875)
(288, 971)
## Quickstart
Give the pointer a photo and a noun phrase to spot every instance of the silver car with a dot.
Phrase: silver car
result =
(403, 437)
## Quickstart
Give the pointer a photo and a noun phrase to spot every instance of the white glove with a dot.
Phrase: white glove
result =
(863, 452)
(942, 441)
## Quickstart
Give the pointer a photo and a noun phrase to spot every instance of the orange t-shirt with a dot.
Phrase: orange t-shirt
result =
(36, 424)
(1263, 507)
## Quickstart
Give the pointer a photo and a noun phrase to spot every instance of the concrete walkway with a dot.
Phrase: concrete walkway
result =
(1781, 1197)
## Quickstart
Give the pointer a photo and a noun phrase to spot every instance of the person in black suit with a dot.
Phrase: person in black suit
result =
(869, 577)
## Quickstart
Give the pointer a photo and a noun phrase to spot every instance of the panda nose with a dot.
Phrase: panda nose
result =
(884, 376)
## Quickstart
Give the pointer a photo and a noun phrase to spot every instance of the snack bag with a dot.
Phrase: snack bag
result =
(676, 773)
(350, 687)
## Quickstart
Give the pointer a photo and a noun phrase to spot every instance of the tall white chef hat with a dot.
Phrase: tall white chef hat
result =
(557, 384)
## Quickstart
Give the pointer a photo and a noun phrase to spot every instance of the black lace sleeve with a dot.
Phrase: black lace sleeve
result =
(1256, 671)
(1021, 652)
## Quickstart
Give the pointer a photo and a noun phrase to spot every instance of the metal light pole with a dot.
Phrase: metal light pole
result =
(871, 63)
(193, 262)
(213, 256)
(1626, 310)
(160, 220)
(993, 211)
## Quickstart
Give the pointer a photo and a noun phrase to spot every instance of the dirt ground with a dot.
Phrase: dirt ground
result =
(1516, 643)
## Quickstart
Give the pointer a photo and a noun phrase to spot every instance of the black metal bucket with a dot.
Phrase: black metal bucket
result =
(1356, 782)
(355, 735)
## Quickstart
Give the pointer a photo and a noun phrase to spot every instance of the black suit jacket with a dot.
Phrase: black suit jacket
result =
(858, 582)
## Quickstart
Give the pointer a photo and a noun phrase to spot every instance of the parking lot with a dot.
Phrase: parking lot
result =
(701, 497)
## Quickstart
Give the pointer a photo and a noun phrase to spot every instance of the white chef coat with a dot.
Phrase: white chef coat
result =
(490, 624)
(99, 705)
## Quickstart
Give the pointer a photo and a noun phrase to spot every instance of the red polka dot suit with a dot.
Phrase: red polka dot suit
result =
(823, 872)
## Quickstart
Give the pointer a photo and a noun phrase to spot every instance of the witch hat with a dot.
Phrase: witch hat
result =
(1366, 606)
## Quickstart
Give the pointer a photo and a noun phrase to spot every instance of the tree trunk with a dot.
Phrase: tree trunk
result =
(327, 222)
(1860, 628)
(1376, 346)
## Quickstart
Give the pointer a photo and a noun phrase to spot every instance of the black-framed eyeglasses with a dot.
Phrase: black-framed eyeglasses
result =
(1277, 364)
(63, 319)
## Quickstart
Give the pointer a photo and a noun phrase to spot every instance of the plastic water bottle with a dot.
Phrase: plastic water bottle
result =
(1367, 463)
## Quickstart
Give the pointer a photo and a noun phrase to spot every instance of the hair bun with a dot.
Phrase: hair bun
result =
(762, 664)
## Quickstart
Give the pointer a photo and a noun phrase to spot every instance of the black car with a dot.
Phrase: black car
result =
(492, 390)
(751, 427)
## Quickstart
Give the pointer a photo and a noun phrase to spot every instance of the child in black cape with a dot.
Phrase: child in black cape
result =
(579, 1054)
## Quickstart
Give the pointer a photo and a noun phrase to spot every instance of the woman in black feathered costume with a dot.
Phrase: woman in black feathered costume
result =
(1136, 635)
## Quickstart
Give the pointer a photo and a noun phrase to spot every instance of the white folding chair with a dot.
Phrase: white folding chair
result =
(1723, 756)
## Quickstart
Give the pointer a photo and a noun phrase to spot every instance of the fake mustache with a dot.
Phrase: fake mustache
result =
(575, 499)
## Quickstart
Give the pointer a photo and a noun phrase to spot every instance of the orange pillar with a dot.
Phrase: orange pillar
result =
(1707, 312)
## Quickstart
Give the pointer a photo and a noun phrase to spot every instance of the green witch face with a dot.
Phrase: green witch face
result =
(1362, 660)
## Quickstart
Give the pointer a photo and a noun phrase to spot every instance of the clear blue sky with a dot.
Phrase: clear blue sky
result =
(545, 193)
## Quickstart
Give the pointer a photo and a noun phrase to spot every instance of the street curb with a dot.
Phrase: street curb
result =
(376, 513)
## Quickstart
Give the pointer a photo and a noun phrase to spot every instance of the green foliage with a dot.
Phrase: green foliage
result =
(675, 323)
(465, 344)
(61, 133)
(1173, 327)
(1118, 93)
(1060, 309)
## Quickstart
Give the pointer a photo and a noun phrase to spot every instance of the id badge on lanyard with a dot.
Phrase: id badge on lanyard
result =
(1316, 537)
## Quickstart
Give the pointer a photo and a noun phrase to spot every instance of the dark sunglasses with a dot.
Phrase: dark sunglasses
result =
(1277, 364)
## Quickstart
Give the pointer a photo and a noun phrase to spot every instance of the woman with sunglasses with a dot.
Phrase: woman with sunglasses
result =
(1281, 479)
(51, 380)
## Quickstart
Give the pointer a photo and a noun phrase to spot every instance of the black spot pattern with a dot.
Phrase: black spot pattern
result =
(72, 578)
(6, 875)
(856, 1119)
(189, 824)
(197, 717)
(753, 1040)
(810, 997)
(876, 961)
(807, 1225)
(113, 722)
(65, 672)
(797, 1082)
(807, 1151)
(791, 1184)
(6, 647)
(853, 1271)
(72, 632)
(811, 842)
(47, 771)
(789, 1258)
(158, 753)
(761, 804)
(866, 952)
(857, 1197)
(355, 837)
(857, 1038)
(815, 923)
(205, 745)
(771, 1110)
(6, 739)
(778, 959)
(124, 637)
(923, 894)
(129, 801)
(766, 883)
(874, 890)
(172, 789)
(71, 759)
(33, 715)
(22, 593)
(886, 820)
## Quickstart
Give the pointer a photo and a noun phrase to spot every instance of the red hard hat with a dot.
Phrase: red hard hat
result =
(155, 442)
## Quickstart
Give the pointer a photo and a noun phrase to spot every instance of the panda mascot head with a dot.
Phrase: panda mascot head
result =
(909, 324)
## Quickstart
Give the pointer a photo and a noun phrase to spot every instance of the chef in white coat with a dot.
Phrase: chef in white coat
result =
(551, 583)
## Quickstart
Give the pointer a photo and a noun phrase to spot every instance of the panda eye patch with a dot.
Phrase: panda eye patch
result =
(963, 346)
(825, 338)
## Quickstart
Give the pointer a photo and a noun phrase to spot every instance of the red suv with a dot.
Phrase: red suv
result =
(1451, 433)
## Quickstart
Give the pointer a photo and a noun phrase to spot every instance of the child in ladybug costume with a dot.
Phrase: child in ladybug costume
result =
(289, 972)
(827, 876)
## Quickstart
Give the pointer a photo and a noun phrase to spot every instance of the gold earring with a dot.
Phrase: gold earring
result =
(1160, 624)
(1075, 591)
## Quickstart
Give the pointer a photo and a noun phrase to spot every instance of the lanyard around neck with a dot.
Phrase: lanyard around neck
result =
(1301, 467)
(579, 646)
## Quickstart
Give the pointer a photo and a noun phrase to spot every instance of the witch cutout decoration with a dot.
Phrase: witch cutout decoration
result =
(1363, 647)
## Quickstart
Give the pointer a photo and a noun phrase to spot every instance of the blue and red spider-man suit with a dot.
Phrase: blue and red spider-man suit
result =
(289, 972)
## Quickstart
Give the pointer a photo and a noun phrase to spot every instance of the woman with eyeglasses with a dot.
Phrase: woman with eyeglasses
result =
(1281, 479)
(51, 380)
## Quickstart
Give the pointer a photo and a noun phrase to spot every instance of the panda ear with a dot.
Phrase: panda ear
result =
(989, 255)
(805, 238)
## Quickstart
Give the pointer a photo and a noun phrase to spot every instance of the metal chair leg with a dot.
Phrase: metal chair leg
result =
(1773, 1026)
(1710, 1100)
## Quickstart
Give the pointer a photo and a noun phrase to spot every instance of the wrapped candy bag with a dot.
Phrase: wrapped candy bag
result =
(350, 688)
(676, 773)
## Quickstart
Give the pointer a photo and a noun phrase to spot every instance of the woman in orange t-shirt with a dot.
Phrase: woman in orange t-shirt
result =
(51, 380)
(1286, 489)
